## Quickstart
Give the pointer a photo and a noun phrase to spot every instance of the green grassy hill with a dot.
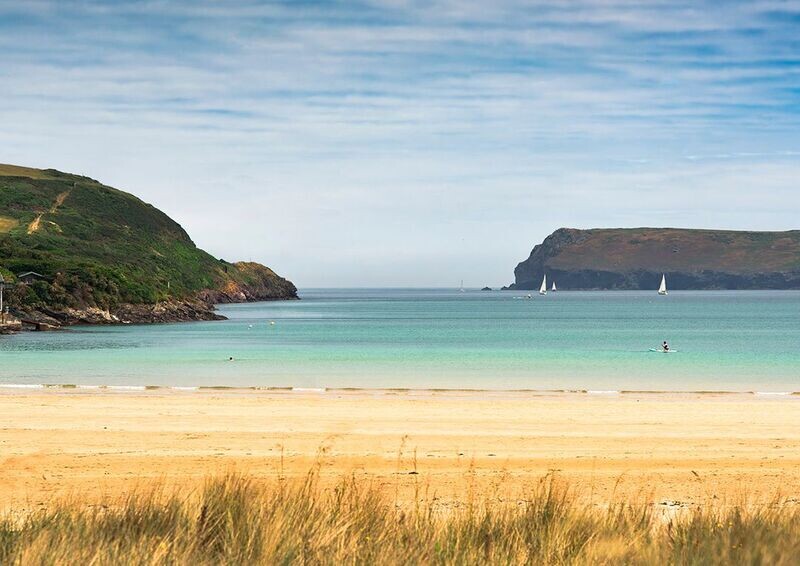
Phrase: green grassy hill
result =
(97, 246)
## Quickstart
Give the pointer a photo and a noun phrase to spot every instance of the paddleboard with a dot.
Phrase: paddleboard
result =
(660, 351)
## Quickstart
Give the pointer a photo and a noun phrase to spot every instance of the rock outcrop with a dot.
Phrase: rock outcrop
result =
(257, 283)
(691, 259)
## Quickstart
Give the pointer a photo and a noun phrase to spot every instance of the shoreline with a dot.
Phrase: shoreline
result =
(7, 388)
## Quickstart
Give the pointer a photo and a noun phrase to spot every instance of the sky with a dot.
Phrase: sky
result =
(397, 143)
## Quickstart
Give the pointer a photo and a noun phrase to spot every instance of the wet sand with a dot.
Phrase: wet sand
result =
(667, 448)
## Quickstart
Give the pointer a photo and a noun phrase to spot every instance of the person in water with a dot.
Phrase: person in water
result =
(665, 346)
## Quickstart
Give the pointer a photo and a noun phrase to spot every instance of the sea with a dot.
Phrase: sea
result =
(432, 339)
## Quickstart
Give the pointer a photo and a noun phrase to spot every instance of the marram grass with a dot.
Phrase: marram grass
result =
(234, 520)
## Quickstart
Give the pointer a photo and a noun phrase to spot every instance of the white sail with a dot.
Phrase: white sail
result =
(554, 287)
(543, 288)
(662, 289)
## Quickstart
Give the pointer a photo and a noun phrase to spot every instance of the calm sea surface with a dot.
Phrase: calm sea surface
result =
(386, 338)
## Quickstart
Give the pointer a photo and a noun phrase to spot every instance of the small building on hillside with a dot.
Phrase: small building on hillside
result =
(29, 277)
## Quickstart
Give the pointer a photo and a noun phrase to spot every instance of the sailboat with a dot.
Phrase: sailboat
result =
(553, 288)
(662, 289)
(543, 288)
(462, 286)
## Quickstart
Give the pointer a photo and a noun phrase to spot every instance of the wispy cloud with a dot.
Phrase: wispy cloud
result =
(354, 134)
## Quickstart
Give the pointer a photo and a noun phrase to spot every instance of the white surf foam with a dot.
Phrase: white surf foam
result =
(22, 385)
(308, 389)
(602, 392)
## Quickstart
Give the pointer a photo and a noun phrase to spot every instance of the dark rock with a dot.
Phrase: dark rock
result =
(161, 312)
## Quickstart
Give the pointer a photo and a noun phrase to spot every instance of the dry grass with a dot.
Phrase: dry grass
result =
(234, 520)
(7, 224)
(7, 170)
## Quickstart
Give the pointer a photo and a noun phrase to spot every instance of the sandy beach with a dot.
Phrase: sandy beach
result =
(668, 448)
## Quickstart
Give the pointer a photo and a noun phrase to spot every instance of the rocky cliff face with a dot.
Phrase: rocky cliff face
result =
(636, 258)
(256, 282)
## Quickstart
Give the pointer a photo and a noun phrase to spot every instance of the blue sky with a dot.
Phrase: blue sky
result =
(394, 143)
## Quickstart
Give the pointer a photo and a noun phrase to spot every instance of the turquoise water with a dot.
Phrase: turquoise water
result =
(726, 340)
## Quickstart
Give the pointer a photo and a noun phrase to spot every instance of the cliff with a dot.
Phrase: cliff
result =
(99, 255)
(691, 259)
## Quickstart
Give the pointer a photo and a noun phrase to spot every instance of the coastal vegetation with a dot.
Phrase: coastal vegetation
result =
(239, 520)
(93, 246)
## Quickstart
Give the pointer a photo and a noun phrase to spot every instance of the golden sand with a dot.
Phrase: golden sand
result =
(675, 448)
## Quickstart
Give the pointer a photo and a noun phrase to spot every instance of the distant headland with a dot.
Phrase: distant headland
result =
(635, 258)
(73, 250)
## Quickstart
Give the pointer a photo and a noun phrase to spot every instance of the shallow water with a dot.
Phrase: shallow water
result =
(400, 338)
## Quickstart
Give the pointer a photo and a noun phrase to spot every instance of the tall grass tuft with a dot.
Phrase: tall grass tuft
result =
(237, 520)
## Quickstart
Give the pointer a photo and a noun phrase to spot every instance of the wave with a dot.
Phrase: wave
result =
(396, 390)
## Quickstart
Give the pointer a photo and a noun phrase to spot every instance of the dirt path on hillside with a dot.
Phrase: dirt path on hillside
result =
(37, 222)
